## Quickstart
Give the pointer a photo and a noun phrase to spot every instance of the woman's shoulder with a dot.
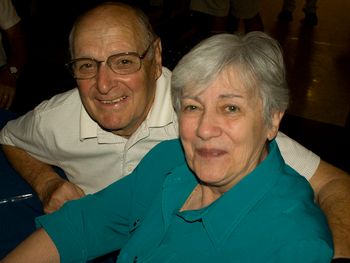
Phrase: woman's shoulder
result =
(165, 155)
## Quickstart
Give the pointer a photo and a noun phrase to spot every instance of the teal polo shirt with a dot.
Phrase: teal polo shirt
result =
(269, 216)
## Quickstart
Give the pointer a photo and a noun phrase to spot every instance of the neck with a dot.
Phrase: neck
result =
(201, 196)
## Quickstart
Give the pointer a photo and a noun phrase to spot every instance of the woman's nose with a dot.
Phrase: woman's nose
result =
(208, 126)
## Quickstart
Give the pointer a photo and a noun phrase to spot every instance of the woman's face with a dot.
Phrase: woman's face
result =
(223, 131)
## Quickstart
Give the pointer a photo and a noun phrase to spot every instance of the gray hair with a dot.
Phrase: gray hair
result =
(258, 58)
(148, 34)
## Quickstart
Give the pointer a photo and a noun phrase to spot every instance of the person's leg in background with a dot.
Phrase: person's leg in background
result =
(225, 15)
(214, 14)
(286, 14)
(247, 11)
(309, 10)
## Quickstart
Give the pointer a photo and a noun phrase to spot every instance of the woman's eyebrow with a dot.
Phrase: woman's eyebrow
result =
(230, 95)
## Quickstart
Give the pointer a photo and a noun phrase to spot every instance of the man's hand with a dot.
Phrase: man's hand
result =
(53, 190)
(59, 191)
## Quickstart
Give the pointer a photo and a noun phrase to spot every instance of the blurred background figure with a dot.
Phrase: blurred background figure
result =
(225, 15)
(12, 52)
(309, 9)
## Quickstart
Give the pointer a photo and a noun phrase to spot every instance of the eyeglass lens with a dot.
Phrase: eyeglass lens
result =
(124, 63)
(120, 64)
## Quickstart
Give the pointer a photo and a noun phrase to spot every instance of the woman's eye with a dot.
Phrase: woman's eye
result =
(190, 108)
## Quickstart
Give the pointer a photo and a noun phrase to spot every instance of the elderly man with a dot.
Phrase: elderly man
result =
(99, 132)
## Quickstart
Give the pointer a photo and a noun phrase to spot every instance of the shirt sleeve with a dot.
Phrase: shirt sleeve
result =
(14, 129)
(8, 15)
(298, 157)
(92, 226)
(100, 223)
(30, 133)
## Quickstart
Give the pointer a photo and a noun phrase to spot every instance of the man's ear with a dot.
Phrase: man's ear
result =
(158, 57)
(275, 124)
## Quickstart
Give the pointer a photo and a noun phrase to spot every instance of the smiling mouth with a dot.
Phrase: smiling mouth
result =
(113, 101)
(207, 153)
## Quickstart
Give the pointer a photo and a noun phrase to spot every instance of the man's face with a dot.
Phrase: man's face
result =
(118, 103)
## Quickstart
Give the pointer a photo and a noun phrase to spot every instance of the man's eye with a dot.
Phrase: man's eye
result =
(87, 66)
(125, 62)
(232, 108)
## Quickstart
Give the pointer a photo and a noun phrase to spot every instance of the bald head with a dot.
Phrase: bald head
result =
(114, 15)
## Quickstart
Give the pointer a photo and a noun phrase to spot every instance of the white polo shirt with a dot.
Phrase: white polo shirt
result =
(297, 156)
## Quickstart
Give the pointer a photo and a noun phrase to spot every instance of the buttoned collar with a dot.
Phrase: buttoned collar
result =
(90, 129)
(222, 217)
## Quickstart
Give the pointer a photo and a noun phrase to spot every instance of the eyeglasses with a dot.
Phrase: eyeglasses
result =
(121, 63)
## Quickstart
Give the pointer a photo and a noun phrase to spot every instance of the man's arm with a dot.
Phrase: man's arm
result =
(36, 248)
(332, 192)
(52, 190)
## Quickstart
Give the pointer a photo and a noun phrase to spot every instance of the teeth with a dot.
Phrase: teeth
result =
(113, 101)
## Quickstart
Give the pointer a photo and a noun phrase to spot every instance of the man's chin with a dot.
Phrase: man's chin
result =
(111, 125)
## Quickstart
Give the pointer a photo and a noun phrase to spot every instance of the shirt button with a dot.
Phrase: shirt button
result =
(130, 168)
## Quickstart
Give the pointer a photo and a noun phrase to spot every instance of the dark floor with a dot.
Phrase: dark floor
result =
(317, 58)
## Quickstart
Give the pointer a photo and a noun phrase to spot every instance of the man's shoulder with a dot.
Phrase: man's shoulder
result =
(60, 103)
(58, 116)
(166, 72)
(61, 108)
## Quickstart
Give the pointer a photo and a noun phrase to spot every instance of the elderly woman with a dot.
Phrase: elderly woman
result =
(226, 196)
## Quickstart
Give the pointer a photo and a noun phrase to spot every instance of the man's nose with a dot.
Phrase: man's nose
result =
(104, 78)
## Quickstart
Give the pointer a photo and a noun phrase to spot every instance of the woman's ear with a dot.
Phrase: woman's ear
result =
(275, 124)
